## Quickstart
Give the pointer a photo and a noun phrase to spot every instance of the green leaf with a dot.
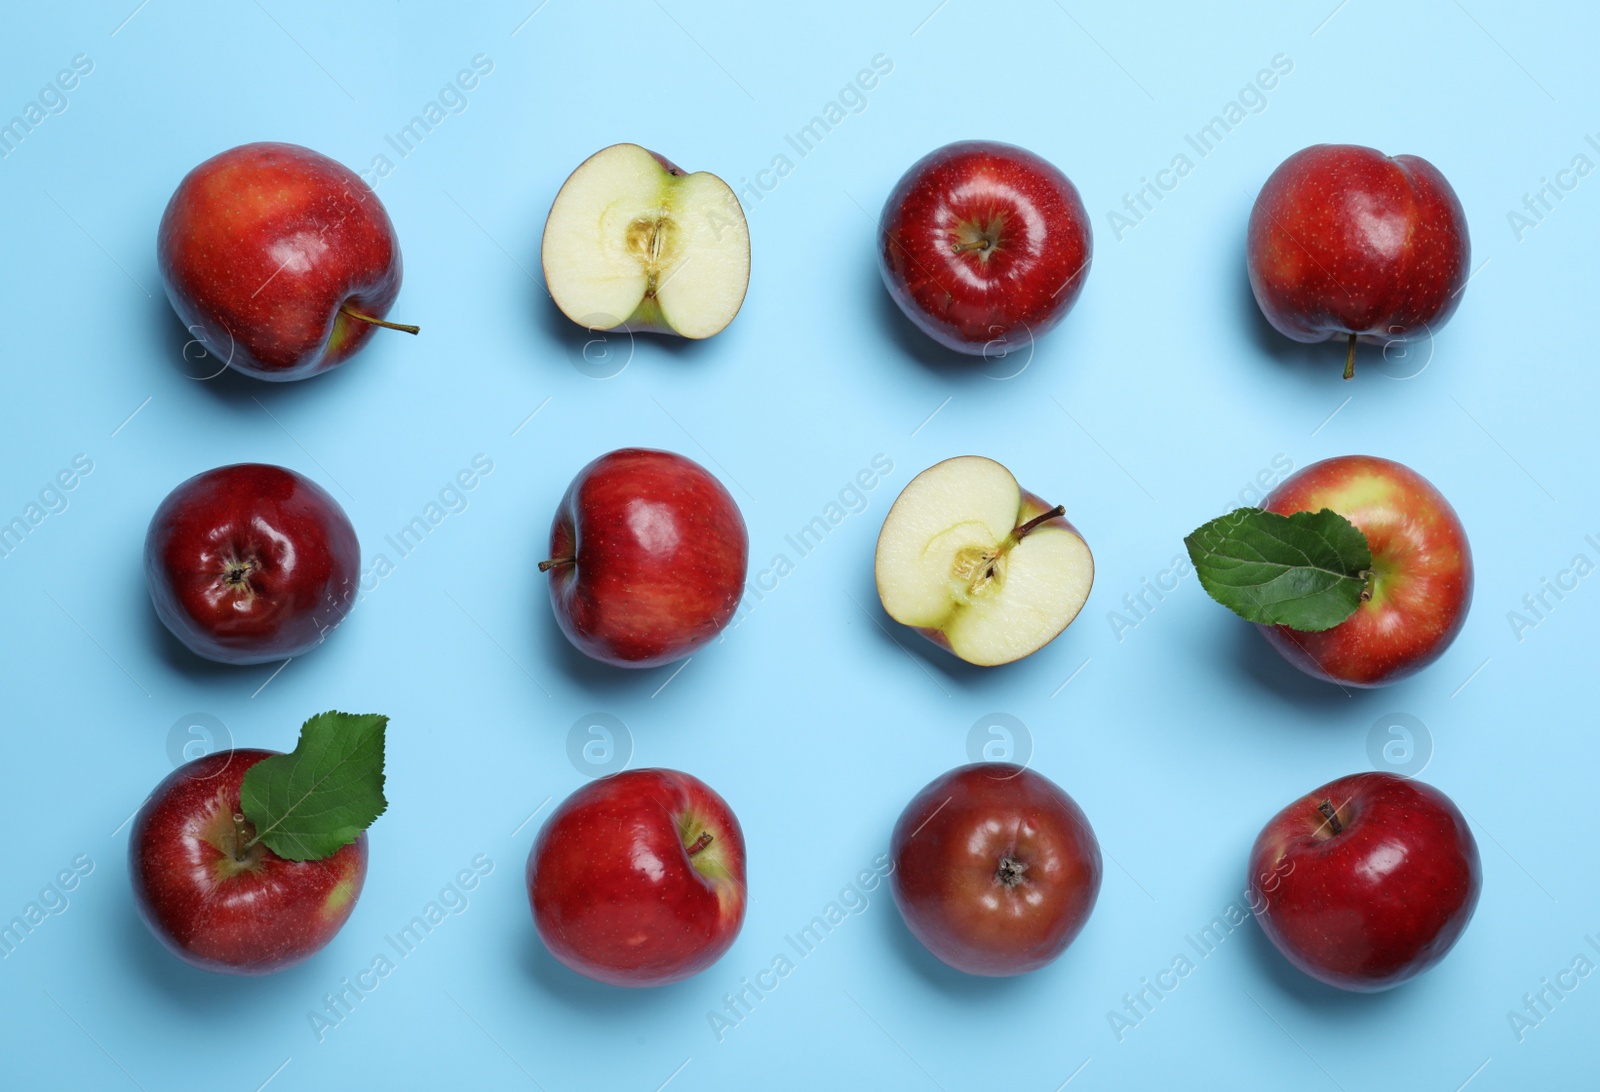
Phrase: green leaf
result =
(306, 804)
(1306, 571)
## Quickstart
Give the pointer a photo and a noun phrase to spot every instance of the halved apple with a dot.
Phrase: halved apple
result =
(978, 565)
(634, 241)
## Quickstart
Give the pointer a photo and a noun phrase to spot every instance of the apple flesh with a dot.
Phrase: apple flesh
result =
(978, 565)
(984, 246)
(1345, 241)
(634, 241)
(217, 902)
(250, 563)
(1366, 882)
(996, 869)
(281, 260)
(648, 555)
(638, 879)
(1421, 584)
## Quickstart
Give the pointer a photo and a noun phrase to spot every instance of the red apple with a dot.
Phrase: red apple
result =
(638, 879)
(250, 563)
(984, 246)
(1421, 583)
(281, 260)
(648, 555)
(1345, 241)
(1366, 882)
(995, 869)
(220, 908)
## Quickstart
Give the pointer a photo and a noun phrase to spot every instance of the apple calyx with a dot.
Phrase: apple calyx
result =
(1350, 359)
(236, 575)
(1009, 871)
(556, 563)
(404, 328)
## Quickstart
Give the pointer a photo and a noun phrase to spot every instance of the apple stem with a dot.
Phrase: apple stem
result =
(976, 244)
(700, 843)
(238, 836)
(1350, 359)
(1054, 513)
(1326, 808)
(555, 562)
(402, 327)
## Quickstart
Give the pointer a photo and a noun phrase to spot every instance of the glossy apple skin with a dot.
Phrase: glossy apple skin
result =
(1377, 903)
(248, 918)
(1346, 240)
(261, 245)
(251, 563)
(1423, 579)
(661, 555)
(614, 892)
(1032, 505)
(948, 847)
(992, 298)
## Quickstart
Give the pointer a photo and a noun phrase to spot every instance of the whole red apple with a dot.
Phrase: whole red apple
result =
(1421, 583)
(984, 246)
(251, 562)
(638, 879)
(281, 260)
(216, 900)
(1366, 882)
(1345, 241)
(648, 554)
(996, 869)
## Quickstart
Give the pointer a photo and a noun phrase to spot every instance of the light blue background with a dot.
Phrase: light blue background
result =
(1146, 413)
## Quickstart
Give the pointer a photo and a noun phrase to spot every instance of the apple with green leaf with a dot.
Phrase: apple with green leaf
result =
(634, 241)
(1356, 569)
(978, 565)
(248, 861)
